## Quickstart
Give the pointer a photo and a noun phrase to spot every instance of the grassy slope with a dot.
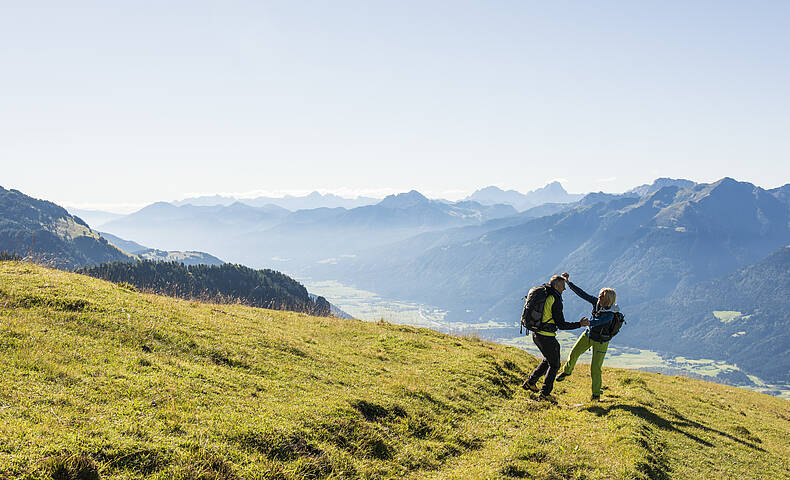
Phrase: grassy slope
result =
(145, 386)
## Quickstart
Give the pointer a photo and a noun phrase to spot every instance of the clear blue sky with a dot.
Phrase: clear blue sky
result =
(128, 102)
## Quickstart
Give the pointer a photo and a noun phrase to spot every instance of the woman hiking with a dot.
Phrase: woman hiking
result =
(603, 311)
(546, 339)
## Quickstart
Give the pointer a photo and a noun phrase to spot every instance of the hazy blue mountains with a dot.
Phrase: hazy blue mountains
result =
(551, 193)
(648, 246)
(658, 184)
(311, 201)
(208, 228)
(325, 234)
(471, 273)
(256, 235)
(206, 201)
(289, 202)
(43, 231)
(144, 253)
(95, 218)
(414, 211)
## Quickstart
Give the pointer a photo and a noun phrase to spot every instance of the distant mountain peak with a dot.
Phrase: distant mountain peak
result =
(239, 206)
(554, 187)
(552, 192)
(729, 181)
(727, 184)
(493, 189)
(659, 183)
(404, 200)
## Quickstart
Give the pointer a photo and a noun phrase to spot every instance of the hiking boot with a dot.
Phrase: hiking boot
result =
(529, 386)
(547, 398)
(595, 398)
(562, 376)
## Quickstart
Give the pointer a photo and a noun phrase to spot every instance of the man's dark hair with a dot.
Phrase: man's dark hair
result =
(556, 279)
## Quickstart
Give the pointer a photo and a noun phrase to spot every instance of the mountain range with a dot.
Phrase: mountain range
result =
(289, 202)
(551, 193)
(651, 249)
(256, 235)
(667, 248)
(168, 227)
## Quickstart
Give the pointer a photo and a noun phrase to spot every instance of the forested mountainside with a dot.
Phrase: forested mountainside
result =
(226, 283)
(742, 318)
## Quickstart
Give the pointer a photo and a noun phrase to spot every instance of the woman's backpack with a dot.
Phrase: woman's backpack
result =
(532, 315)
(613, 327)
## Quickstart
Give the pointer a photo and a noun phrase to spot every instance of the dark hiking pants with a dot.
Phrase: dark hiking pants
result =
(550, 348)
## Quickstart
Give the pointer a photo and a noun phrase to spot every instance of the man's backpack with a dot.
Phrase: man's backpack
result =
(613, 327)
(532, 315)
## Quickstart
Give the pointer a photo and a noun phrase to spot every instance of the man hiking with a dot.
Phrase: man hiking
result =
(545, 337)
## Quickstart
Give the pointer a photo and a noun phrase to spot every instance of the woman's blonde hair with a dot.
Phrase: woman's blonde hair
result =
(609, 296)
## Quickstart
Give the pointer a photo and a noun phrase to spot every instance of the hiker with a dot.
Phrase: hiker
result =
(595, 336)
(546, 339)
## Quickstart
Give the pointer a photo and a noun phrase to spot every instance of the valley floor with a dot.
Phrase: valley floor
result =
(101, 381)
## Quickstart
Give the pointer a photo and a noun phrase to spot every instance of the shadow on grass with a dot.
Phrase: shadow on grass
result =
(670, 425)
(72, 467)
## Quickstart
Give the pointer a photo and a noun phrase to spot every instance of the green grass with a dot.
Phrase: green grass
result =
(99, 381)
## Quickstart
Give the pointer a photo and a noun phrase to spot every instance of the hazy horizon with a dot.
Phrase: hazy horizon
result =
(126, 208)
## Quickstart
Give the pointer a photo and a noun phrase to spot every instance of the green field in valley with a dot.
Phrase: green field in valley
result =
(99, 381)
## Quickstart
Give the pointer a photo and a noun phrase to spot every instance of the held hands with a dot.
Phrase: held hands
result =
(565, 275)
(585, 322)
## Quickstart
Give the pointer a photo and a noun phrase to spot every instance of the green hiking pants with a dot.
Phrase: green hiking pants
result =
(599, 351)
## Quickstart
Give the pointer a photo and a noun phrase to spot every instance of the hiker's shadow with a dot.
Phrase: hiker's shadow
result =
(674, 425)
